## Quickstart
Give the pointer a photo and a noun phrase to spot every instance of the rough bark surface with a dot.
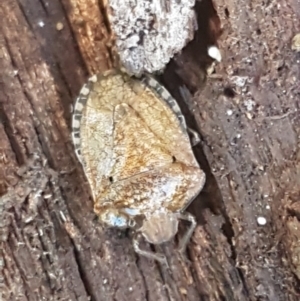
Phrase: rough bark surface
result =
(247, 113)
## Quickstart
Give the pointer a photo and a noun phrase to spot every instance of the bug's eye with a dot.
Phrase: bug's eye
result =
(111, 179)
(174, 159)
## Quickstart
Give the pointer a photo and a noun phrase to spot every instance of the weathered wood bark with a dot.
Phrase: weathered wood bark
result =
(247, 114)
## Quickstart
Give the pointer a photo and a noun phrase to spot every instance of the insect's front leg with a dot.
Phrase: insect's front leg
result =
(187, 236)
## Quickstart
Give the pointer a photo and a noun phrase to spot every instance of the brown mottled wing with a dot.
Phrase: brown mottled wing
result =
(171, 186)
(136, 148)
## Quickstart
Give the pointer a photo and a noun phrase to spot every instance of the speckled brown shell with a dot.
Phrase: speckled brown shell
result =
(132, 141)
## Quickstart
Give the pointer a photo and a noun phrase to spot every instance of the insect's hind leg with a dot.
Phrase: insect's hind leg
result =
(151, 255)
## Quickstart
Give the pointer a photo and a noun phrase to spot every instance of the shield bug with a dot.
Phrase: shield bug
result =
(132, 140)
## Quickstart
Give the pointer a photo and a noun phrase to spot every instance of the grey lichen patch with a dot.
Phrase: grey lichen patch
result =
(149, 33)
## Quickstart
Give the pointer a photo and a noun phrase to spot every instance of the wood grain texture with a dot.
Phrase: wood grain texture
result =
(247, 114)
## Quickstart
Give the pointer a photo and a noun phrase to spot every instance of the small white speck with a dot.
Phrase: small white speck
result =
(63, 217)
(214, 52)
(268, 207)
(37, 194)
(238, 136)
(47, 196)
(41, 24)
(28, 220)
(229, 112)
(105, 281)
(249, 116)
(249, 104)
(130, 289)
(261, 220)
(59, 26)
(240, 81)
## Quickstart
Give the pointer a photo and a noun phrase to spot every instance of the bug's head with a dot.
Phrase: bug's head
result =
(160, 227)
(114, 218)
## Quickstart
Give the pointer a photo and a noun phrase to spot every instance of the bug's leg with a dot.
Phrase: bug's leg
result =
(195, 138)
(159, 257)
(187, 97)
(187, 236)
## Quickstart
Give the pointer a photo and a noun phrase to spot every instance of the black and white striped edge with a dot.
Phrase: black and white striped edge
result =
(163, 93)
